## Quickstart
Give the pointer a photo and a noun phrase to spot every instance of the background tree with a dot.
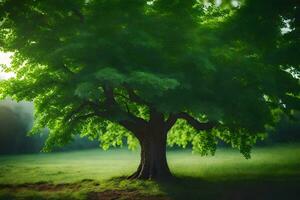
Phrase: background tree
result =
(16, 120)
(142, 69)
(13, 127)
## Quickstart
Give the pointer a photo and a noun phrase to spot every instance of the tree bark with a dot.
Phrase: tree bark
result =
(152, 136)
(153, 163)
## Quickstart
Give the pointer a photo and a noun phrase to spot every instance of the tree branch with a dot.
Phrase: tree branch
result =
(113, 107)
(109, 110)
(67, 70)
(200, 126)
(83, 117)
(95, 107)
(134, 97)
(109, 96)
(74, 112)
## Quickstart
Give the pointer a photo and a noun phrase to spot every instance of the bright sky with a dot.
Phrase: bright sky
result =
(5, 59)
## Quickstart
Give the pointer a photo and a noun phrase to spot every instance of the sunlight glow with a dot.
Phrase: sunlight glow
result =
(286, 26)
(218, 2)
(235, 3)
(5, 59)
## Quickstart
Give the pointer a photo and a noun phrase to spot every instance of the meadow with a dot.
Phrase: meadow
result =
(271, 173)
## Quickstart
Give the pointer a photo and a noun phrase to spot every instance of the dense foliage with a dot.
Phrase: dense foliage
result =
(89, 66)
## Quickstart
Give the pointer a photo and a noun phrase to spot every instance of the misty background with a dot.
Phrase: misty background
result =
(16, 119)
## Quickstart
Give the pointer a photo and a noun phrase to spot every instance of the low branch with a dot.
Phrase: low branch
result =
(84, 117)
(109, 110)
(200, 126)
(114, 108)
(86, 103)
(74, 112)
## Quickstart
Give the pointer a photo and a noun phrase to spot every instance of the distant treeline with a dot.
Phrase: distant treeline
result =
(287, 131)
(16, 120)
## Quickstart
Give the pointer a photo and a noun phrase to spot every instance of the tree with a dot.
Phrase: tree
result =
(140, 69)
(11, 131)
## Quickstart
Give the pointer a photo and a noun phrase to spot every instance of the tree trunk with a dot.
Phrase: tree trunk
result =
(153, 164)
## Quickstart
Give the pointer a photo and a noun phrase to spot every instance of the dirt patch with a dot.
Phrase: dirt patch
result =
(123, 195)
(41, 187)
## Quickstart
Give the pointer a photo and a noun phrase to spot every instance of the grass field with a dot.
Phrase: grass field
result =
(271, 173)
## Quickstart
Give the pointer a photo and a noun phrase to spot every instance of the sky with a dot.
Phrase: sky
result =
(5, 59)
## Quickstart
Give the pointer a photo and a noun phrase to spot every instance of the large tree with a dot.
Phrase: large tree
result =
(137, 69)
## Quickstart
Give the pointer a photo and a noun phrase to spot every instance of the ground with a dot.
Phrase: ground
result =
(271, 173)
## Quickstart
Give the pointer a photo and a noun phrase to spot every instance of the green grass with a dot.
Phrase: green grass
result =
(74, 175)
